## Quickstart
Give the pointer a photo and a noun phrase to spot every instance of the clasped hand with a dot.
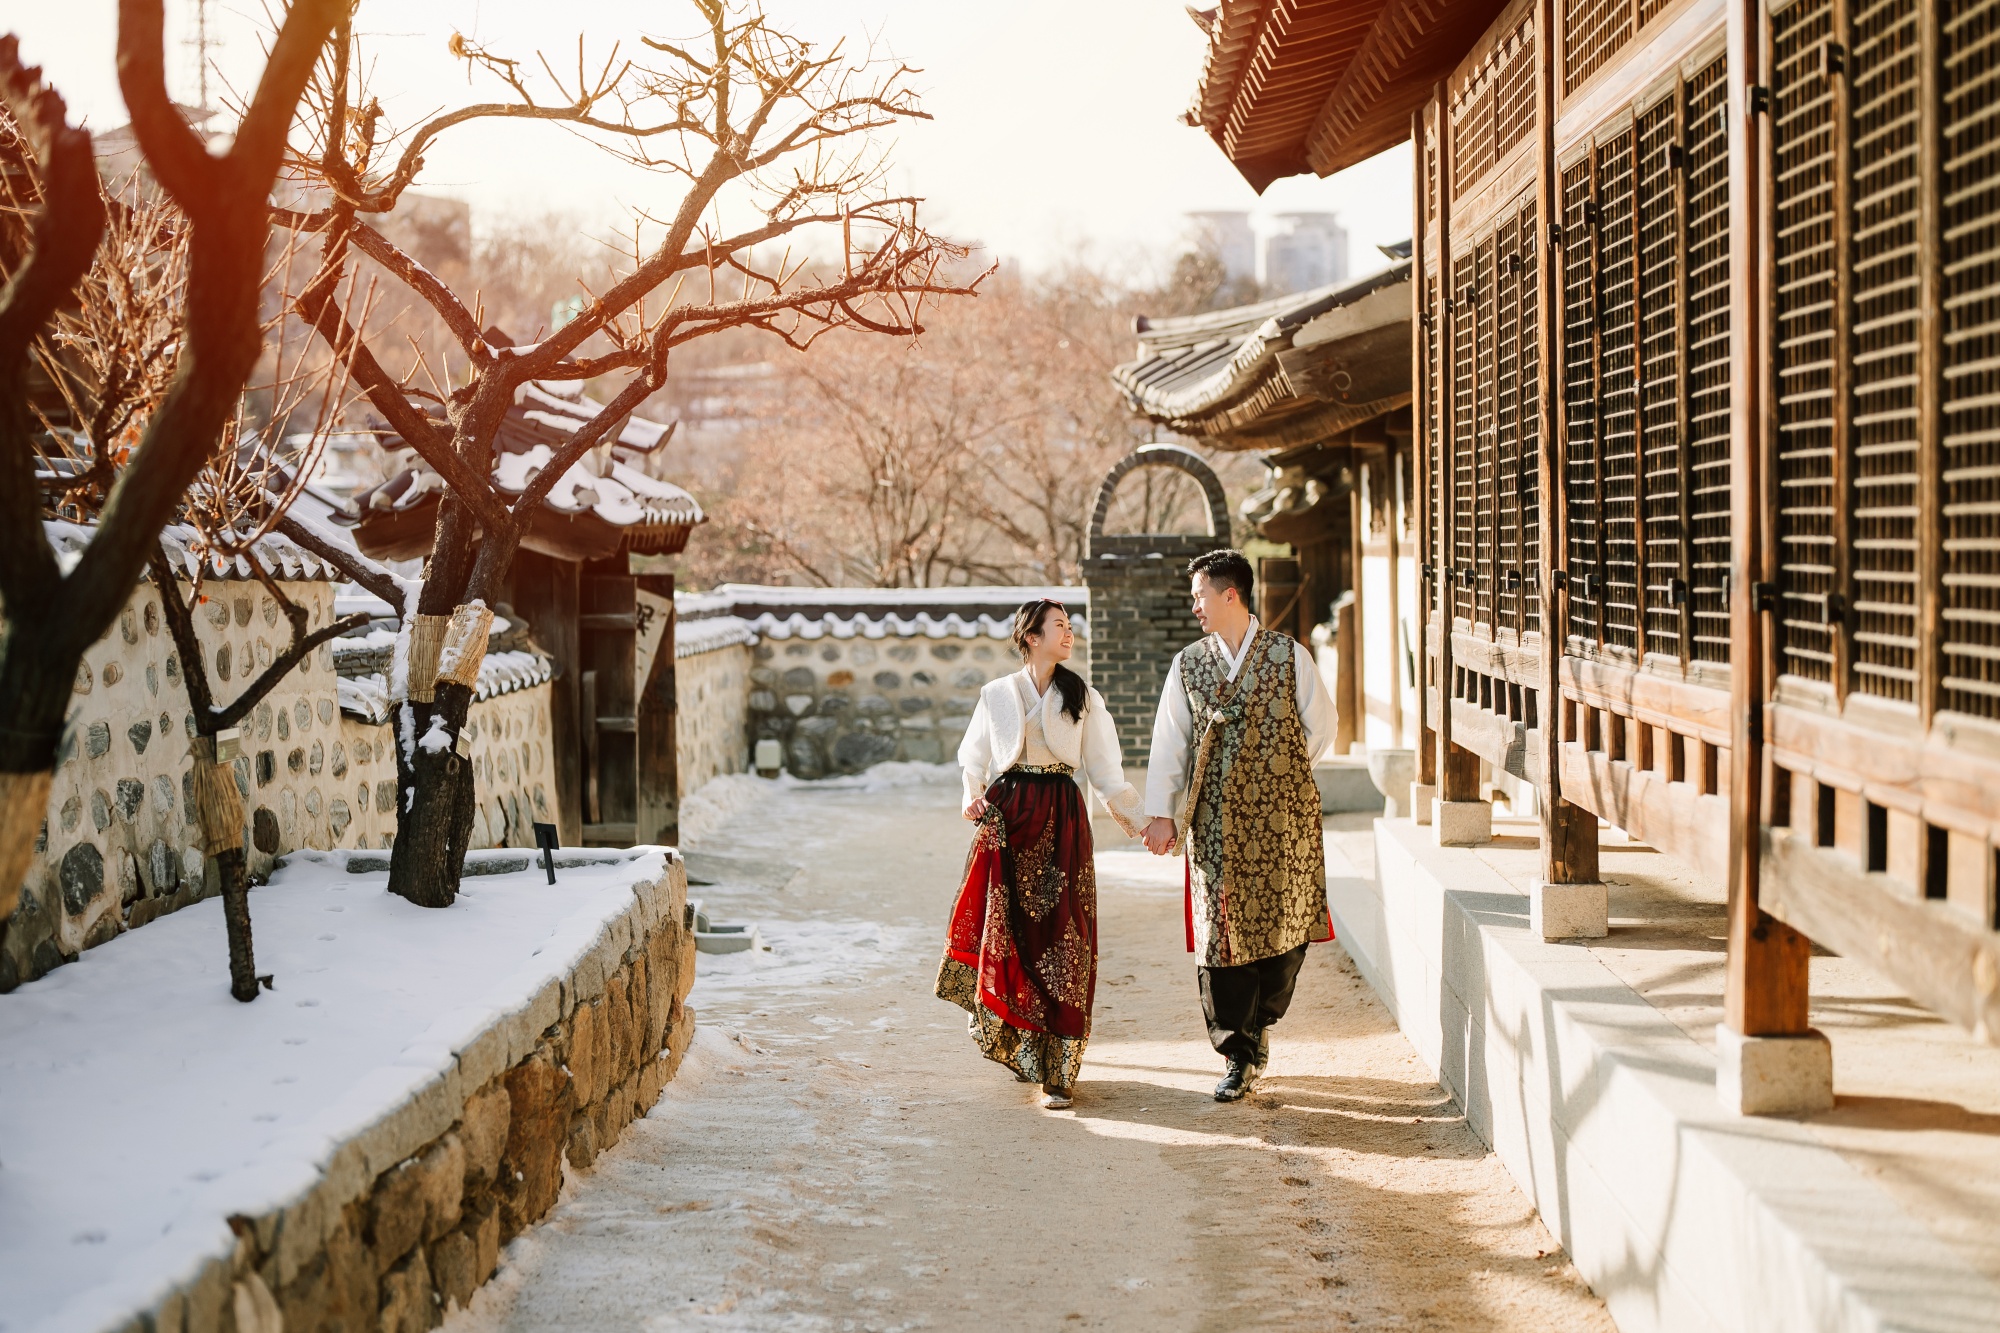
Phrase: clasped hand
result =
(1159, 835)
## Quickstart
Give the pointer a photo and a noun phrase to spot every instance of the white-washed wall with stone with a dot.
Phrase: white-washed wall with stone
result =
(119, 847)
(712, 701)
(511, 777)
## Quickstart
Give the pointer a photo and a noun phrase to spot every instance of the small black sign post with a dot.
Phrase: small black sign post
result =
(546, 839)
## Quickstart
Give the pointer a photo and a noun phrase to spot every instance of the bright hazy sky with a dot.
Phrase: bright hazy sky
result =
(1057, 121)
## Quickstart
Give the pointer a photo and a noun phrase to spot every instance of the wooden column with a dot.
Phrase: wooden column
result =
(1458, 770)
(1765, 990)
(1393, 535)
(659, 803)
(1357, 525)
(1930, 368)
(1422, 461)
(1569, 832)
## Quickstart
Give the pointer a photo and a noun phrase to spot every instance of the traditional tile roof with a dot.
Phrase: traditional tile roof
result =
(279, 556)
(1291, 86)
(602, 505)
(1279, 371)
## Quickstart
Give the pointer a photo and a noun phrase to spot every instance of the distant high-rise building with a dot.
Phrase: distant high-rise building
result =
(1226, 234)
(1306, 250)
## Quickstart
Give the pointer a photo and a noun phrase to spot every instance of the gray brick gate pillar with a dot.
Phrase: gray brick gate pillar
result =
(1139, 612)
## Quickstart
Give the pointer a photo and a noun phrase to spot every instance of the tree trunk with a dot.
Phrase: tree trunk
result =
(36, 684)
(234, 868)
(435, 802)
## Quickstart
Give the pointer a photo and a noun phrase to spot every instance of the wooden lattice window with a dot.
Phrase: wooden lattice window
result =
(1593, 32)
(1970, 86)
(1848, 345)
(1617, 386)
(1646, 376)
(1485, 316)
(1579, 390)
(1495, 108)
(1705, 193)
(1807, 348)
(1663, 483)
(1464, 439)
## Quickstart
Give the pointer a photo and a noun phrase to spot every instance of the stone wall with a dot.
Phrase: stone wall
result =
(840, 707)
(845, 678)
(712, 726)
(119, 846)
(408, 1218)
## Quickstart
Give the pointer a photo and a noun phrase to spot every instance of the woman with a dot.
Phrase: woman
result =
(1021, 957)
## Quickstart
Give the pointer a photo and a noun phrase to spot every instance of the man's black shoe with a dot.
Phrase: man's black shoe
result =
(1234, 1083)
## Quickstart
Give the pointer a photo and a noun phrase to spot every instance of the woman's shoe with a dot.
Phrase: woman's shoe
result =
(1056, 1099)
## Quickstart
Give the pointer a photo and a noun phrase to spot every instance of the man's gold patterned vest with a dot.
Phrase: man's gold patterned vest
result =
(1251, 822)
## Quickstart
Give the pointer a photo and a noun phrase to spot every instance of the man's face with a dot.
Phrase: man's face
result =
(1213, 605)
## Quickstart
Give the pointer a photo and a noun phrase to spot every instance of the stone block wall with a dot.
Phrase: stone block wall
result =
(1140, 616)
(712, 726)
(409, 1217)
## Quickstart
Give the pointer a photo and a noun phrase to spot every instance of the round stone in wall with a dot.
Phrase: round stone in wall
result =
(81, 877)
(302, 715)
(97, 740)
(339, 817)
(312, 802)
(163, 868)
(72, 813)
(888, 680)
(264, 830)
(131, 795)
(284, 725)
(315, 759)
(339, 760)
(113, 673)
(222, 656)
(84, 684)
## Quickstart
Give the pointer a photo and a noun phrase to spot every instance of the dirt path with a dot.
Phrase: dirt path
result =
(836, 1155)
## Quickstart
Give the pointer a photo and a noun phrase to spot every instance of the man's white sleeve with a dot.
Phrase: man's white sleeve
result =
(974, 754)
(1316, 708)
(1166, 767)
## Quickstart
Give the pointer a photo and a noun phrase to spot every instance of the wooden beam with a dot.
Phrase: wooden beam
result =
(1357, 522)
(1932, 950)
(1767, 976)
(1675, 817)
(1690, 709)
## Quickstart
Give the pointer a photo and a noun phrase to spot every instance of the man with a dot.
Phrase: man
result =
(1242, 717)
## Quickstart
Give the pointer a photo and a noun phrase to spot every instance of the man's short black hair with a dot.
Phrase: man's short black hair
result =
(1226, 569)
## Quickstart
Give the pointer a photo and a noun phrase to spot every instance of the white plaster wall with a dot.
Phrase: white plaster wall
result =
(712, 730)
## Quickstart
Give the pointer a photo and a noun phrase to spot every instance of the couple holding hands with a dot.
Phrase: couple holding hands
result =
(1229, 785)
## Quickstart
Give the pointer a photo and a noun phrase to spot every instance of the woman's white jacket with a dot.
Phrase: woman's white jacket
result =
(997, 734)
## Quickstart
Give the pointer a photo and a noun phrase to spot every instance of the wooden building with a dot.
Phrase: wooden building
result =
(581, 582)
(1705, 371)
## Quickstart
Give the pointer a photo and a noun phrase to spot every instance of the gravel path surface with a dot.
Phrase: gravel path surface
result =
(836, 1155)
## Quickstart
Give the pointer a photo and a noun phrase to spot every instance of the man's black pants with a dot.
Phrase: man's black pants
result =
(1240, 1002)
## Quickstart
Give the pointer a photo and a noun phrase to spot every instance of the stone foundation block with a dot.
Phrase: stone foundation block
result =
(1569, 911)
(1791, 1075)
(1462, 823)
(1422, 796)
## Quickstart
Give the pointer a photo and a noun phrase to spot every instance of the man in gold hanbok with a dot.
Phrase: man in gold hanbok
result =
(1242, 717)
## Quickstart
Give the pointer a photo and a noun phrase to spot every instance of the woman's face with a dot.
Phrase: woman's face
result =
(1056, 639)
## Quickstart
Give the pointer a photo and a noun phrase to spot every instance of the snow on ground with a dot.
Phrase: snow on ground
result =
(719, 800)
(140, 1106)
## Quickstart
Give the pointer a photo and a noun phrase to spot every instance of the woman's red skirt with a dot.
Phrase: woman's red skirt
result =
(1021, 952)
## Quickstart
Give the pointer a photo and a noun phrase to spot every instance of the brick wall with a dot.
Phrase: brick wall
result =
(1140, 617)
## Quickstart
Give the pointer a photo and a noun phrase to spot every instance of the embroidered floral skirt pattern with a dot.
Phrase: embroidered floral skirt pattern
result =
(1021, 956)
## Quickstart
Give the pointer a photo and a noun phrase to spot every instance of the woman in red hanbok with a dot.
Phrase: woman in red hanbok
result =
(1021, 956)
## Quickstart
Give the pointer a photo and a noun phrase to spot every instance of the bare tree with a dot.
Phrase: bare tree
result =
(973, 456)
(740, 104)
(54, 614)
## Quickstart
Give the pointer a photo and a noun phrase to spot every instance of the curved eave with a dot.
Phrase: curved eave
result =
(407, 533)
(1291, 86)
(1311, 368)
